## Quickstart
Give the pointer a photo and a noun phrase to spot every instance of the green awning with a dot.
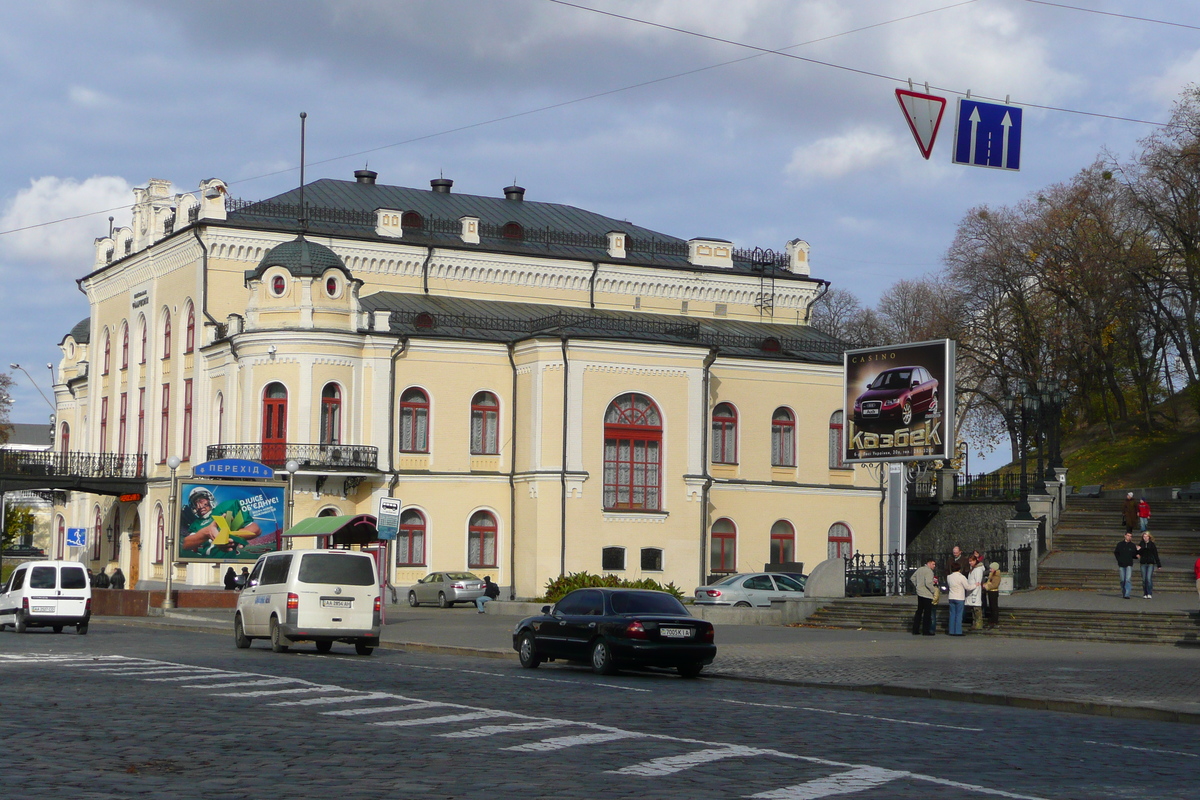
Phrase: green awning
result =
(349, 529)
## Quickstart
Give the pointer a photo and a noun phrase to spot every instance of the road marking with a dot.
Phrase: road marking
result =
(524, 677)
(563, 742)
(446, 719)
(321, 701)
(849, 714)
(272, 692)
(354, 712)
(856, 780)
(145, 671)
(194, 676)
(216, 686)
(516, 727)
(1143, 749)
(671, 764)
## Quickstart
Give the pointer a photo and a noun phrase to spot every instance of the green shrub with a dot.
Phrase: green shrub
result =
(556, 588)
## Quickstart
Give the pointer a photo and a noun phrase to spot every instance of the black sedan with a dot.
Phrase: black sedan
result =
(614, 628)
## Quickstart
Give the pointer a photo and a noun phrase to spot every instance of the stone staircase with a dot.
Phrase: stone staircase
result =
(1099, 580)
(1134, 627)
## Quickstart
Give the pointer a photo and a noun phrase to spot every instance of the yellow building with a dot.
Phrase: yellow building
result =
(546, 389)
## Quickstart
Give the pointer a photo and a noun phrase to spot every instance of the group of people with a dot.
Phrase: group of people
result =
(105, 581)
(967, 583)
(1144, 552)
(235, 582)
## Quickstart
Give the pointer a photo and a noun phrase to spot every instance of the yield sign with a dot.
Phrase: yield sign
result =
(924, 115)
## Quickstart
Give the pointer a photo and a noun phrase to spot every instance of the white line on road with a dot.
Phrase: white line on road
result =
(563, 742)
(202, 674)
(217, 686)
(272, 692)
(848, 714)
(856, 780)
(355, 712)
(446, 719)
(516, 727)
(323, 701)
(672, 764)
(1143, 749)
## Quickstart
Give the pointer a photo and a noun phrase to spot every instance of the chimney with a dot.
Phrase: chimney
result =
(441, 185)
(514, 192)
(365, 176)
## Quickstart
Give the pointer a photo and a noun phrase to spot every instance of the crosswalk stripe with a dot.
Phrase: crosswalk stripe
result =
(856, 780)
(354, 712)
(197, 675)
(273, 692)
(215, 686)
(446, 719)
(321, 701)
(671, 764)
(516, 727)
(563, 742)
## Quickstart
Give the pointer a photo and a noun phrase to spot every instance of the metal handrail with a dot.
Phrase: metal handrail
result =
(338, 457)
(73, 464)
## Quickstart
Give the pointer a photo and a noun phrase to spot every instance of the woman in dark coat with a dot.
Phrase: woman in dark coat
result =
(230, 580)
(1129, 513)
(1147, 552)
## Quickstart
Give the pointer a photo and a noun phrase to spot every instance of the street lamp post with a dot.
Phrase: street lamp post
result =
(31, 380)
(292, 467)
(169, 545)
(1022, 403)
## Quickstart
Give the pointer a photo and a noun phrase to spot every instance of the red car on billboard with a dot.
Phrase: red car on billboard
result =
(897, 397)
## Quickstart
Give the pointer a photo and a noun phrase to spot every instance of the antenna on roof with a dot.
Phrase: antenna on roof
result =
(303, 216)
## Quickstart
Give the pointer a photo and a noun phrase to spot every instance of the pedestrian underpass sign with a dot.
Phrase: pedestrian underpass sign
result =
(987, 135)
(923, 112)
(76, 537)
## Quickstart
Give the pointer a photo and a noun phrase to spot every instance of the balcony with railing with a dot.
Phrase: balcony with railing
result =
(310, 457)
(72, 464)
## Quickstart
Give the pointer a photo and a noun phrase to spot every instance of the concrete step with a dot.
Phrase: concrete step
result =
(1115, 505)
(1101, 579)
(1112, 522)
(1076, 541)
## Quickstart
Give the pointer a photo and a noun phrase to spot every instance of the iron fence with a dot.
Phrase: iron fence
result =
(992, 486)
(890, 574)
(334, 457)
(73, 464)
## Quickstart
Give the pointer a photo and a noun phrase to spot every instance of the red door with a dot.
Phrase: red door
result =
(274, 425)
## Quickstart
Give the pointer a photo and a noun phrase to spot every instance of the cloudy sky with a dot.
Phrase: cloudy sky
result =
(640, 122)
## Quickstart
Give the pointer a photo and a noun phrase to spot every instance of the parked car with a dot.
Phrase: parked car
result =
(749, 589)
(897, 397)
(321, 596)
(51, 594)
(446, 589)
(614, 628)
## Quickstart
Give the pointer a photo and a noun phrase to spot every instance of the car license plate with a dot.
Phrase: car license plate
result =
(675, 633)
(43, 609)
(870, 412)
(335, 603)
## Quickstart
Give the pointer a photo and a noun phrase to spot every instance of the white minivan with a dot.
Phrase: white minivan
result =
(51, 594)
(321, 596)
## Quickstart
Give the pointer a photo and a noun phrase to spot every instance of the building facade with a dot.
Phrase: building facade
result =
(547, 390)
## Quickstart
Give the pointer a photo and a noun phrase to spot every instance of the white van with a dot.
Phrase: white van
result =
(321, 596)
(51, 594)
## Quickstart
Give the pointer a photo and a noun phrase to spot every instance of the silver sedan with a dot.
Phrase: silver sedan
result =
(749, 589)
(446, 589)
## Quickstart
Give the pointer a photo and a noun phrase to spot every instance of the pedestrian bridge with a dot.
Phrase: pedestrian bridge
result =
(98, 473)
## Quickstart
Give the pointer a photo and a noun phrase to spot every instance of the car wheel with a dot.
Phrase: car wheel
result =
(442, 601)
(278, 643)
(58, 628)
(20, 626)
(412, 599)
(690, 670)
(324, 647)
(602, 659)
(363, 649)
(906, 415)
(527, 652)
(239, 634)
(741, 604)
(81, 629)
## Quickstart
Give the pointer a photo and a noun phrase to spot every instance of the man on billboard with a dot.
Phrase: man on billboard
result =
(221, 529)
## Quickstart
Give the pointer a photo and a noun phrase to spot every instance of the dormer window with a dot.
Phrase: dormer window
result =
(412, 221)
(331, 287)
(512, 230)
(278, 285)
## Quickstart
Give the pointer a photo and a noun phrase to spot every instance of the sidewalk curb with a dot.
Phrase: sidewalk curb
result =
(892, 690)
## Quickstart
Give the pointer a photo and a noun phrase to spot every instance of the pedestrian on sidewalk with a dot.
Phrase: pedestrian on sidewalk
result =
(1143, 515)
(1148, 556)
(975, 596)
(1129, 514)
(230, 580)
(959, 586)
(925, 582)
(242, 579)
(991, 595)
(1125, 552)
(490, 592)
(117, 581)
(956, 563)
(101, 581)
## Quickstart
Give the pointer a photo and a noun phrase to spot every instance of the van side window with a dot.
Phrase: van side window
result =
(73, 578)
(44, 578)
(18, 580)
(276, 570)
(254, 573)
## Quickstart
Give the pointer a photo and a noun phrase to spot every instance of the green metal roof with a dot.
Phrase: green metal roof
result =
(327, 526)
(302, 258)
(82, 332)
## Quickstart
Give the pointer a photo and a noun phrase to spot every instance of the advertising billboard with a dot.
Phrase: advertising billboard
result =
(228, 521)
(899, 403)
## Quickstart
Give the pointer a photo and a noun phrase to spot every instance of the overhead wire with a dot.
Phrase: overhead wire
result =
(1114, 14)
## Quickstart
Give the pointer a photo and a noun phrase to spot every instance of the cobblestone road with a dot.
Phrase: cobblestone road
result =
(129, 712)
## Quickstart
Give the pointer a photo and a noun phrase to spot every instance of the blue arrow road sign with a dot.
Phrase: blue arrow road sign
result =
(76, 537)
(987, 135)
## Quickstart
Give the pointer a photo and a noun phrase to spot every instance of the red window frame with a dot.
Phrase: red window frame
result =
(122, 423)
(124, 345)
(485, 424)
(414, 437)
(64, 438)
(724, 434)
(840, 546)
(160, 536)
(103, 424)
(186, 455)
(331, 414)
(783, 438)
(410, 540)
(632, 454)
(98, 535)
(836, 441)
(722, 546)
(166, 335)
(145, 333)
(141, 422)
(189, 336)
(482, 535)
(274, 424)
(107, 351)
(783, 544)
(164, 430)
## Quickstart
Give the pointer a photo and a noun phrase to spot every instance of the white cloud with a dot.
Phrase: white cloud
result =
(856, 150)
(66, 247)
(84, 97)
(1167, 87)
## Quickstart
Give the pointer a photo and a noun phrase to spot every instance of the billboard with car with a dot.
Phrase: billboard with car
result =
(228, 521)
(899, 403)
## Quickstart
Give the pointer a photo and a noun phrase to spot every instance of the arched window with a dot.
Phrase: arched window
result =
(414, 421)
(411, 220)
(512, 230)
(274, 424)
(124, 345)
(122, 423)
(841, 540)
(485, 424)
(64, 438)
(186, 449)
(783, 542)
(783, 438)
(189, 336)
(722, 546)
(331, 414)
(60, 545)
(107, 351)
(632, 454)
(410, 541)
(103, 424)
(166, 334)
(724, 434)
(97, 533)
(164, 425)
(836, 448)
(481, 541)
(160, 535)
(144, 333)
(220, 418)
